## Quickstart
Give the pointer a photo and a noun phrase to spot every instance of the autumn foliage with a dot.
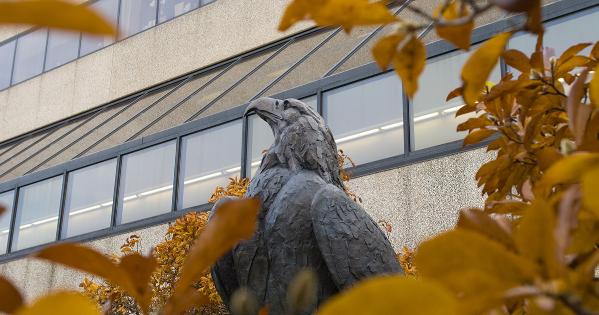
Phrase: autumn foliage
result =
(169, 255)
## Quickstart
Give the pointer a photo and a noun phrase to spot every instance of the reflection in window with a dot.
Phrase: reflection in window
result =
(208, 159)
(366, 118)
(260, 137)
(168, 9)
(109, 9)
(136, 16)
(562, 33)
(62, 48)
(6, 201)
(29, 59)
(434, 118)
(88, 203)
(37, 213)
(7, 51)
(147, 182)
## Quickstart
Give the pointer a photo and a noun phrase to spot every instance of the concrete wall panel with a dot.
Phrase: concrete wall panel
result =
(197, 39)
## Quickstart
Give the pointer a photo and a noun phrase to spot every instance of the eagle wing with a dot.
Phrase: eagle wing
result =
(352, 244)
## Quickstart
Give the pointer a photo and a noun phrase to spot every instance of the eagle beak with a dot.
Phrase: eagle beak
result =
(265, 108)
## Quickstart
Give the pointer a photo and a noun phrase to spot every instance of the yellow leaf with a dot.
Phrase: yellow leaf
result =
(392, 295)
(63, 303)
(478, 221)
(474, 123)
(571, 51)
(11, 297)
(232, 222)
(384, 50)
(477, 136)
(296, 11)
(515, 5)
(462, 250)
(54, 14)
(140, 269)
(517, 60)
(458, 34)
(344, 13)
(88, 260)
(409, 63)
(569, 169)
(350, 13)
(453, 94)
(590, 190)
(535, 237)
(478, 67)
(595, 51)
(594, 88)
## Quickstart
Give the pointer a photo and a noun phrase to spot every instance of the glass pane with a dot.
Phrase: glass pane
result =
(363, 55)
(168, 9)
(109, 9)
(62, 48)
(7, 52)
(311, 101)
(208, 159)
(29, 60)
(562, 33)
(162, 115)
(366, 118)
(147, 182)
(317, 64)
(434, 119)
(260, 138)
(136, 16)
(6, 201)
(118, 129)
(88, 201)
(37, 213)
(224, 82)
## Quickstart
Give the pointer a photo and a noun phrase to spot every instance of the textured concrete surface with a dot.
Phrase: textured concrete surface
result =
(189, 42)
(422, 199)
(419, 201)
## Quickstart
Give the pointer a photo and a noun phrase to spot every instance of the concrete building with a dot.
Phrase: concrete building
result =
(104, 137)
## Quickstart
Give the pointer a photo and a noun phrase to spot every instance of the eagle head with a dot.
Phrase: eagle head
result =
(302, 140)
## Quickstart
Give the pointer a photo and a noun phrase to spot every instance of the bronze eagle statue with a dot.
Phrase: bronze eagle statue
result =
(306, 218)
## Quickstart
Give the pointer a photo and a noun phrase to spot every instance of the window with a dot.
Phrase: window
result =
(6, 201)
(62, 48)
(7, 52)
(109, 9)
(366, 118)
(209, 158)
(562, 33)
(37, 213)
(29, 59)
(88, 203)
(260, 137)
(136, 16)
(146, 188)
(168, 9)
(434, 119)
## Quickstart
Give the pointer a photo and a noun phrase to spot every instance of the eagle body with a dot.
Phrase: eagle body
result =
(306, 219)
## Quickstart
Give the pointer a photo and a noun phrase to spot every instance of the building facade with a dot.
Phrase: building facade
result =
(104, 137)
